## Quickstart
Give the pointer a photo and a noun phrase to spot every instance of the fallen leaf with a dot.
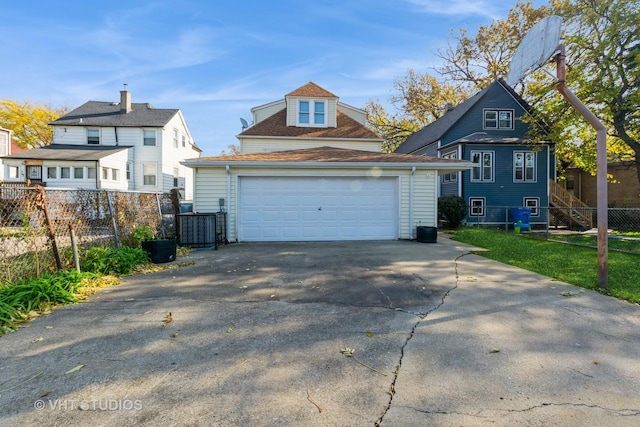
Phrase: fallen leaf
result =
(167, 319)
(37, 340)
(175, 334)
(494, 350)
(347, 352)
(369, 334)
(229, 330)
(77, 368)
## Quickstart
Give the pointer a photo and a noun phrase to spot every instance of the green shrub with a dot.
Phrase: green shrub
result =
(453, 209)
(112, 261)
(139, 235)
(17, 300)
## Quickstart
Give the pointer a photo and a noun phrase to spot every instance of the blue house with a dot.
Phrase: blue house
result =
(510, 170)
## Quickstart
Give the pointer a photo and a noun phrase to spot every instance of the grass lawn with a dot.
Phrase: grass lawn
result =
(567, 263)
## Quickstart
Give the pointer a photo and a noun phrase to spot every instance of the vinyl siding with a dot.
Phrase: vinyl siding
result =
(211, 184)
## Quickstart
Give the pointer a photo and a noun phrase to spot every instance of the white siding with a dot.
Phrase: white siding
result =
(355, 113)
(263, 111)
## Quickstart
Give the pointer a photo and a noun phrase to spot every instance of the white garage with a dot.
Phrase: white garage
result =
(312, 208)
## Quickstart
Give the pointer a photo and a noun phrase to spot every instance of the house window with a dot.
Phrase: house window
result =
(532, 203)
(4, 144)
(450, 177)
(115, 174)
(184, 141)
(128, 171)
(105, 173)
(65, 173)
(524, 166)
(14, 172)
(149, 137)
(176, 177)
(483, 166)
(476, 206)
(175, 138)
(93, 136)
(149, 174)
(498, 119)
(309, 109)
(78, 173)
(52, 173)
(91, 173)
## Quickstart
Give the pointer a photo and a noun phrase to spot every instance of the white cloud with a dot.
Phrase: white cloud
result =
(459, 7)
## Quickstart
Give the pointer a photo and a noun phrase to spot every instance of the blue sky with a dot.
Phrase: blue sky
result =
(215, 60)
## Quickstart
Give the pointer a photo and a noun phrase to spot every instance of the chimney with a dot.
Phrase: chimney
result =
(125, 101)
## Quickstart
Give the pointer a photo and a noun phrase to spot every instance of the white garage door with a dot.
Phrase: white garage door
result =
(311, 209)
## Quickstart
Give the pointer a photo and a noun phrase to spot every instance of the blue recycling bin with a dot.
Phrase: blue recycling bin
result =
(521, 218)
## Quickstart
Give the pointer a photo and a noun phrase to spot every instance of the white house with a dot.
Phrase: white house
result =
(110, 145)
(310, 169)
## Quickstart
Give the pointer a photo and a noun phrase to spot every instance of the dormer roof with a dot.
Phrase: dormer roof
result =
(311, 90)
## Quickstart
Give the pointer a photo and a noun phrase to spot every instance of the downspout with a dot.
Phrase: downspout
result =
(413, 171)
(97, 174)
(229, 203)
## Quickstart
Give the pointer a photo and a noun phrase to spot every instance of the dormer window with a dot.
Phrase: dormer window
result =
(498, 119)
(312, 113)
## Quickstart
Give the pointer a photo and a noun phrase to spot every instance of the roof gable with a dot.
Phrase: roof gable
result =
(311, 90)
(437, 129)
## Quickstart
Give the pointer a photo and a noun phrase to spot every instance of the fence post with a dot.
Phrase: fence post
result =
(74, 247)
(42, 204)
(162, 233)
(113, 220)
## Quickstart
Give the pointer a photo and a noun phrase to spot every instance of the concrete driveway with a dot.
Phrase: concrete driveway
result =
(261, 334)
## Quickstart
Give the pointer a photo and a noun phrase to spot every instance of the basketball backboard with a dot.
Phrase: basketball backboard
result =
(536, 48)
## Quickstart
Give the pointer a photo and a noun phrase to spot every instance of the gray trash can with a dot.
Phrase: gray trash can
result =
(426, 234)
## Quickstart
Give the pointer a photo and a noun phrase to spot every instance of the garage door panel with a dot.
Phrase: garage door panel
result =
(311, 208)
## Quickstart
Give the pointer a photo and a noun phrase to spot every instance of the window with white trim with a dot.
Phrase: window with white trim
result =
(532, 203)
(52, 172)
(524, 166)
(93, 136)
(476, 206)
(149, 137)
(483, 166)
(115, 174)
(175, 138)
(78, 173)
(149, 171)
(105, 173)
(184, 141)
(14, 172)
(312, 113)
(128, 171)
(91, 173)
(450, 177)
(498, 119)
(65, 172)
(176, 177)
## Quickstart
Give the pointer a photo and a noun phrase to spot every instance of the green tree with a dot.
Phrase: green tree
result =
(29, 122)
(476, 60)
(420, 100)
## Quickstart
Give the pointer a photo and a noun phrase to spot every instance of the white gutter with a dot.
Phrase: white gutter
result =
(413, 171)
(229, 203)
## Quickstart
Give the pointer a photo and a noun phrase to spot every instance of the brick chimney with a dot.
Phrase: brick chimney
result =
(125, 101)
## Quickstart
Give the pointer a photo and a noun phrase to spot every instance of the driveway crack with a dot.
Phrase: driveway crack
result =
(421, 317)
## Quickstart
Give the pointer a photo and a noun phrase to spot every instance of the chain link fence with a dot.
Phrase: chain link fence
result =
(37, 224)
(577, 225)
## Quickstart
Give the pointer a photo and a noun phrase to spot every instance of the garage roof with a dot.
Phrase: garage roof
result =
(329, 156)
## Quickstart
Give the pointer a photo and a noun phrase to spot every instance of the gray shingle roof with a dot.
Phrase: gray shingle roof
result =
(98, 113)
(68, 152)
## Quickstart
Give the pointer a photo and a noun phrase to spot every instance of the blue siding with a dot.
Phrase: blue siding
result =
(472, 121)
